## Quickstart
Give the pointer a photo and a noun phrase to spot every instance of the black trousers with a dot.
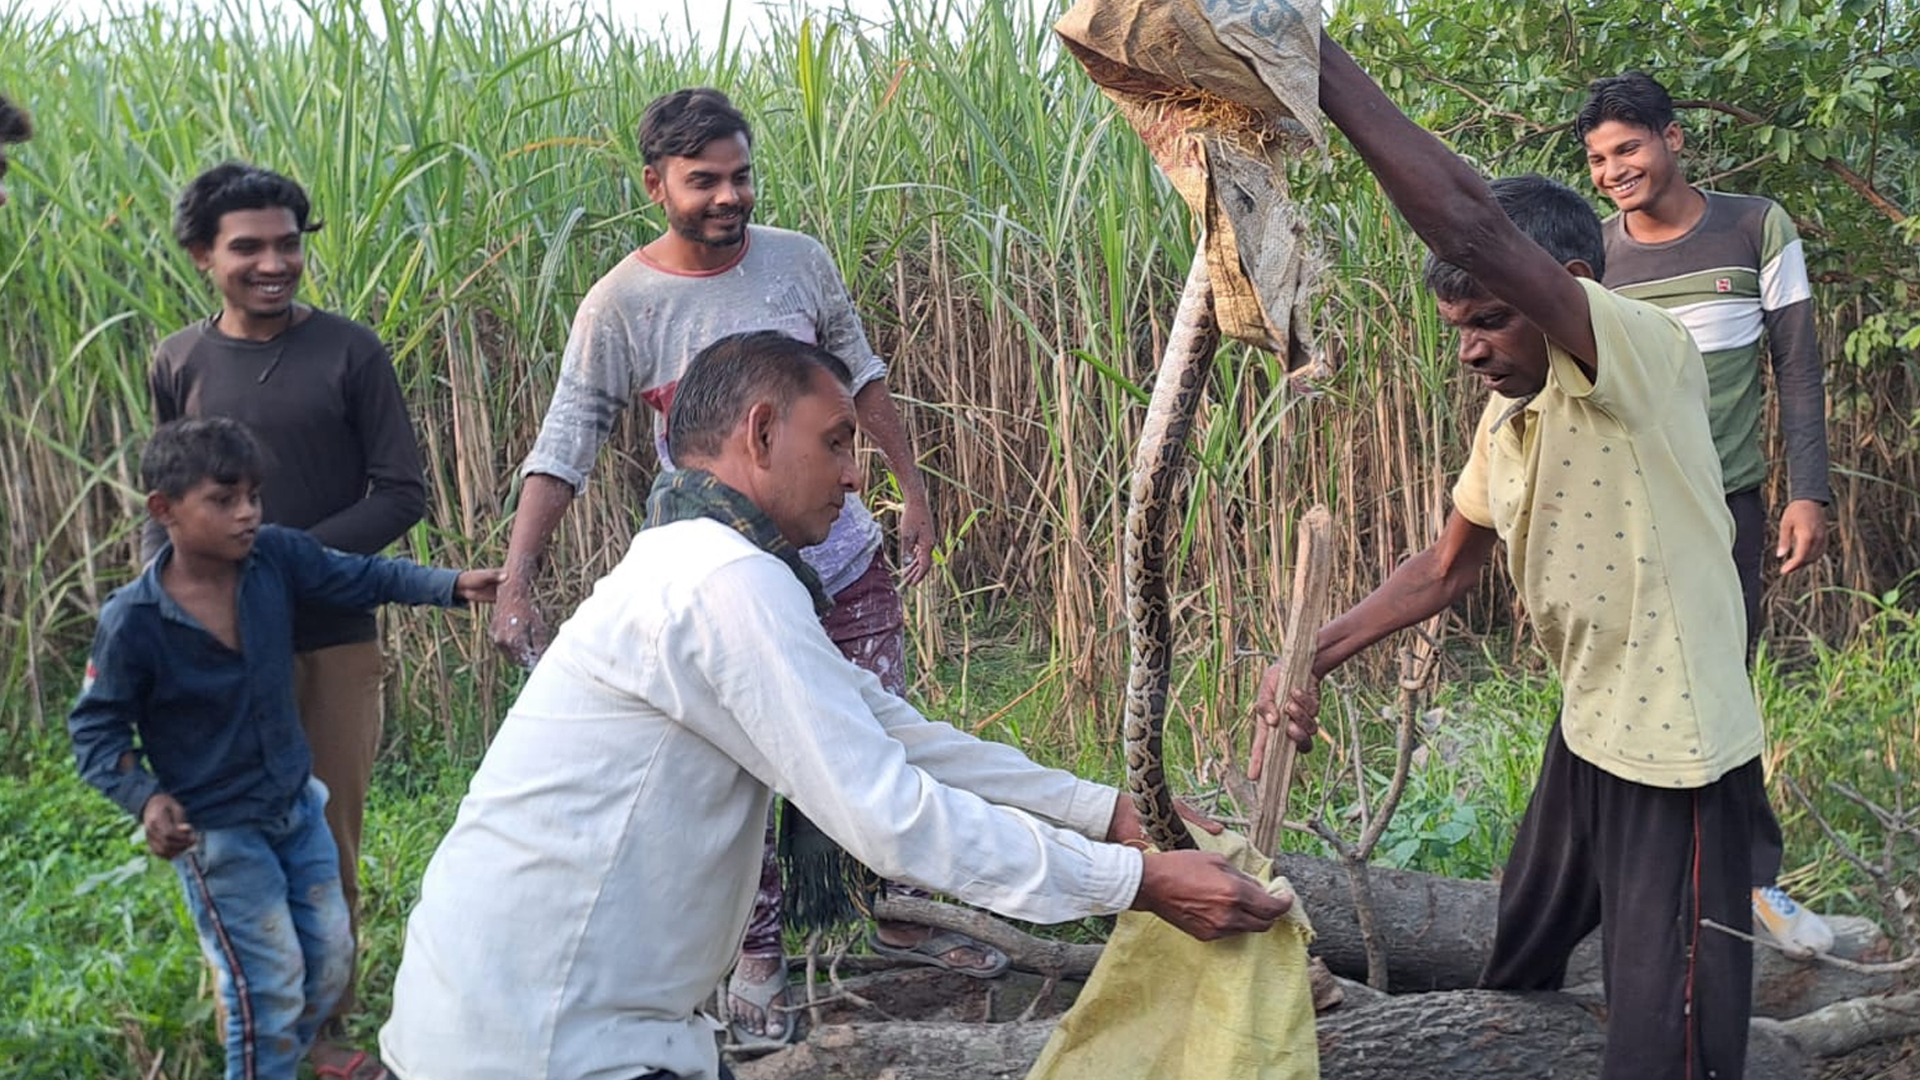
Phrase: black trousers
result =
(1749, 552)
(1646, 865)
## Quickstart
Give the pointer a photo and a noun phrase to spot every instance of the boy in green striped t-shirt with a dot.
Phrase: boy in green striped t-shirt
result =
(1731, 269)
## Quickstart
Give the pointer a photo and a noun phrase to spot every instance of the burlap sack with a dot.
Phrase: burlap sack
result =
(1162, 1006)
(1223, 92)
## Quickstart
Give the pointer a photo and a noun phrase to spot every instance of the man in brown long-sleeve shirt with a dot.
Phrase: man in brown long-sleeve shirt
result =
(319, 392)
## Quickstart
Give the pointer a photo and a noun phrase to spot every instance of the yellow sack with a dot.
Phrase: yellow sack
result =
(1162, 1006)
(1223, 94)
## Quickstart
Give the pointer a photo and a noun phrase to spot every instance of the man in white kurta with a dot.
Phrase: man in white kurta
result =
(598, 879)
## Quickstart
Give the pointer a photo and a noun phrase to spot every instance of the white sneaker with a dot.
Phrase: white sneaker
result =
(1799, 931)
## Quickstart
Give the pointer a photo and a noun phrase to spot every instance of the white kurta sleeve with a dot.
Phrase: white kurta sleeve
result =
(994, 771)
(765, 684)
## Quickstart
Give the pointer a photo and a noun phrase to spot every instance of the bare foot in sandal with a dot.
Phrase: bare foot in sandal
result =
(757, 987)
(939, 948)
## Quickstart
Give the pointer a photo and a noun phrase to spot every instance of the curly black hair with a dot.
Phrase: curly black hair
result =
(232, 186)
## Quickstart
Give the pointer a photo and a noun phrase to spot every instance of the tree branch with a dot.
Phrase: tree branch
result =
(1834, 165)
(1848, 1025)
(1053, 958)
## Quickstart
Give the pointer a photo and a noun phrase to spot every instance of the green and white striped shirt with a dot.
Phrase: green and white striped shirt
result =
(1737, 275)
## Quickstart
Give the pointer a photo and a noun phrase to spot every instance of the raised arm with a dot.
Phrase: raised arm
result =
(1451, 208)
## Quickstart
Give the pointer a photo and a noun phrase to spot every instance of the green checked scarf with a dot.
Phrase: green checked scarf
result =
(690, 494)
(826, 887)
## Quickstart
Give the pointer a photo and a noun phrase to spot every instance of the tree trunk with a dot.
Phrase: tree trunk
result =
(1439, 930)
(906, 1051)
(1441, 1036)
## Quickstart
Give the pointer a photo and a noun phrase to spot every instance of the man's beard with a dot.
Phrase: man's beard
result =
(696, 229)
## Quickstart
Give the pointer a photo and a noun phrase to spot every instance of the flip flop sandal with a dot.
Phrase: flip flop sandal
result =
(762, 995)
(933, 952)
(351, 1070)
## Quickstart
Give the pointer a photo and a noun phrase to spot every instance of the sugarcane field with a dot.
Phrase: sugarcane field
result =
(960, 540)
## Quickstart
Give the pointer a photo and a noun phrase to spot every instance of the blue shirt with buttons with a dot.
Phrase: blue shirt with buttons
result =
(218, 729)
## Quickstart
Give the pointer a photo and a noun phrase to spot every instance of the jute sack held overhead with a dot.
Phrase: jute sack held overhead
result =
(1223, 92)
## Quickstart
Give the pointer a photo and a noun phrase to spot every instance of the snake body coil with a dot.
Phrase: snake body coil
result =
(1162, 450)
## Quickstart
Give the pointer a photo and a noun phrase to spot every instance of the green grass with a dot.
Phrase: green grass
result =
(96, 942)
(1848, 717)
(100, 970)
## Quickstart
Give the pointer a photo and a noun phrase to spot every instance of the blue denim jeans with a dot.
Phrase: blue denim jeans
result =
(266, 900)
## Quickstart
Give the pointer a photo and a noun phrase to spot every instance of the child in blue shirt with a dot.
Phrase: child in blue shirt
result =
(187, 721)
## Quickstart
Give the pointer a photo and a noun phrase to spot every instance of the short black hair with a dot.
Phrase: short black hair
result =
(16, 126)
(682, 123)
(16, 123)
(1552, 215)
(182, 453)
(232, 186)
(1632, 97)
(731, 376)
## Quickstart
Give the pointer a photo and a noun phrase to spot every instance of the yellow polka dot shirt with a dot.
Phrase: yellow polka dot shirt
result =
(1608, 496)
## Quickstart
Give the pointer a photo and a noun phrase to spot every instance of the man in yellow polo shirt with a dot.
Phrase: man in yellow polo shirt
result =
(1594, 462)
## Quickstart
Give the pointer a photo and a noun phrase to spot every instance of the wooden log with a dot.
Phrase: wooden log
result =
(1056, 958)
(1845, 1025)
(905, 1051)
(1439, 931)
(1442, 1036)
(1495, 1036)
(1306, 610)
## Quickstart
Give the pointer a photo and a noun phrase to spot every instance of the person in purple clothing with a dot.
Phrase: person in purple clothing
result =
(187, 721)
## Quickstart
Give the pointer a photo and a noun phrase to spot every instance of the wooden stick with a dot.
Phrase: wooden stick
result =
(1312, 581)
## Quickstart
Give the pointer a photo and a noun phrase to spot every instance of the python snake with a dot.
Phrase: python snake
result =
(1156, 464)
